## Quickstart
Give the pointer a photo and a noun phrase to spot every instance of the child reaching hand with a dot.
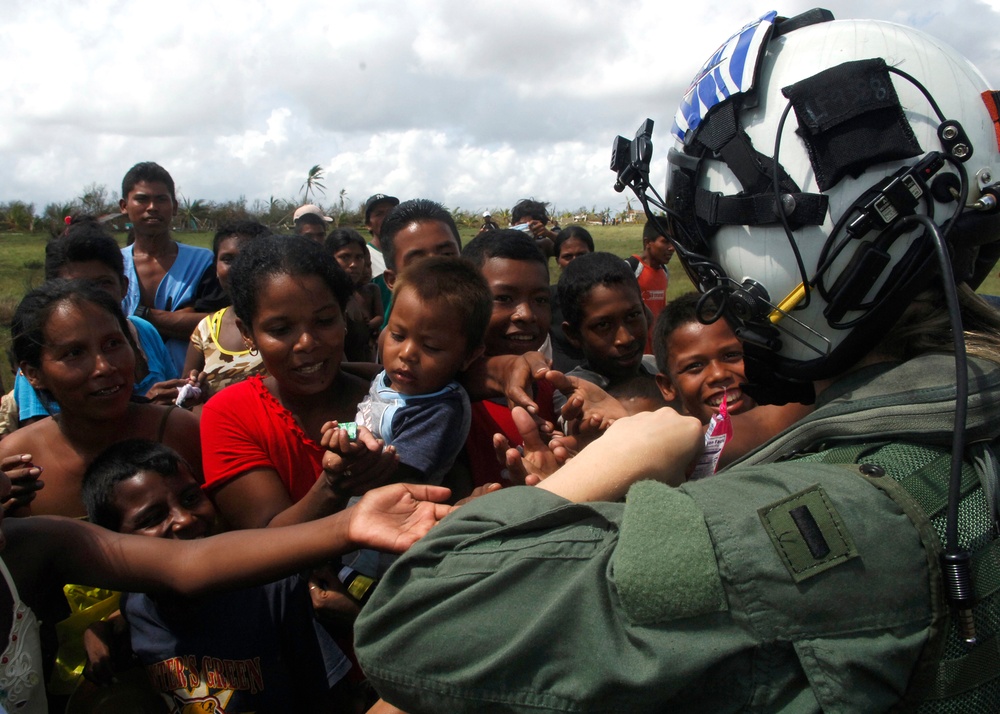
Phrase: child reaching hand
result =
(517, 274)
(701, 366)
(42, 552)
(199, 649)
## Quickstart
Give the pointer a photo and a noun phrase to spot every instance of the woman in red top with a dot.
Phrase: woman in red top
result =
(273, 452)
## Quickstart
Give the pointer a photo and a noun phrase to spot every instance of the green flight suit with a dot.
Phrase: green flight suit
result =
(777, 585)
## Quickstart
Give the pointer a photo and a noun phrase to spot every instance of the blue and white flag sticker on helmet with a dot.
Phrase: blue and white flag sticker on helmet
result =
(730, 71)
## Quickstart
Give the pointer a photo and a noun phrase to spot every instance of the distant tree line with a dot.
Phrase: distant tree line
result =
(196, 214)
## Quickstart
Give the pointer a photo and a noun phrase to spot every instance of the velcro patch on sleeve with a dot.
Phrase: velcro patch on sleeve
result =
(808, 533)
(664, 565)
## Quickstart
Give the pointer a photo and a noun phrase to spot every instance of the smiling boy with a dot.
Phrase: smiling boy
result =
(700, 365)
(199, 651)
(518, 276)
(439, 314)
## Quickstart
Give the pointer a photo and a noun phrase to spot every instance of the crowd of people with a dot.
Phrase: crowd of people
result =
(297, 392)
(406, 474)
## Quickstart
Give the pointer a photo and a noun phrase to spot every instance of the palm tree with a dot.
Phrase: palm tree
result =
(192, 213)
(277, 211)
(313, 183)
(465, 218)
(344, 204)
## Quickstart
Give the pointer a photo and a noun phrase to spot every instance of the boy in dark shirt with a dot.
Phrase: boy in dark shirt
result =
(202, 651)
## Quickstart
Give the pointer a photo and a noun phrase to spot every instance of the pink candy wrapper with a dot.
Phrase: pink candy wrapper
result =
(720, 431)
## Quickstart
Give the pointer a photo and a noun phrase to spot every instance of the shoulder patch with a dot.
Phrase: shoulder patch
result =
(808, 533)
(664, 566)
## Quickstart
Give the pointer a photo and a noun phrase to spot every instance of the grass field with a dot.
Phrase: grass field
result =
(22, 260)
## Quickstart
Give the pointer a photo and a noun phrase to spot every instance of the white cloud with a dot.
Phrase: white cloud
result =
(253, 145)
(475, 104)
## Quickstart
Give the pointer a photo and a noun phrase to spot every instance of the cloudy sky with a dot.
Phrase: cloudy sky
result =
(472, 103)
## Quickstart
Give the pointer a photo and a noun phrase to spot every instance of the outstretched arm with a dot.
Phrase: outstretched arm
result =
(390, 518)
(651, 445)
(506, 375)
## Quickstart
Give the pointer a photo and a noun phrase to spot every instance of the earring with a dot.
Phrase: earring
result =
(251, 349)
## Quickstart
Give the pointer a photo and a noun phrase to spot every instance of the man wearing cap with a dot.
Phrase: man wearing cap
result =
(310, 221)
(376, 208)
(489, 224)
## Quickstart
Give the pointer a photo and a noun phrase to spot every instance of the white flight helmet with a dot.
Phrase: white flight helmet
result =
(859, 147)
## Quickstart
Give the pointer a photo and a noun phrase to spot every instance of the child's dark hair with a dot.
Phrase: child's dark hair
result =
(586, 272)
(148, 171)
(678, 312)
(340, 237)
(529, 208)
(417, 210)
(459, 285)
(84, 239)
(120, 462)
(641, 386)
(27, 328)
(240, 230)
(578, 232)
(268, 256)
(507, 243)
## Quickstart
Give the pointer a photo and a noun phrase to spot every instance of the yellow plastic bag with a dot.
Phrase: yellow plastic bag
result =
(87, 606)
